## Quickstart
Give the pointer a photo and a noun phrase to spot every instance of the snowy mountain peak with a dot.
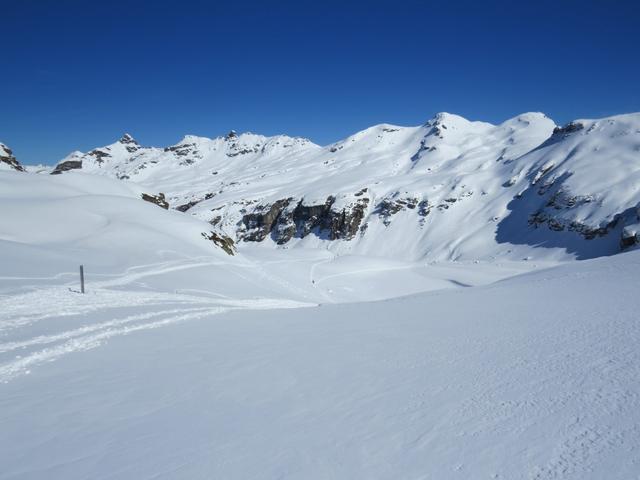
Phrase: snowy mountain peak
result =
(8, 161)
(442, 117)
(190, 139)
(448, 120)
(4, 150)
(527, 118)
(128, 140)
(404, 190)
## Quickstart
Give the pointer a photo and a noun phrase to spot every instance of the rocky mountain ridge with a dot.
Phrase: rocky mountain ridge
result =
(8, 161)
(449, 189)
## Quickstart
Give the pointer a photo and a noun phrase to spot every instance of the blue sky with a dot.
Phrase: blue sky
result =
(77, 74)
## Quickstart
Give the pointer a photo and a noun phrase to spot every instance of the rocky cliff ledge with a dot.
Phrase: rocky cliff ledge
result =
(288, 218)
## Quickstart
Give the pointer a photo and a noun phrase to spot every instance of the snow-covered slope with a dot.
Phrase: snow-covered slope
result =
(49, 223)
(584, 180)
(449, 189)
(183, 361)
(531, 378)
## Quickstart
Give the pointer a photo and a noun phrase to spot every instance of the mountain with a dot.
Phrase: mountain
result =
(450, 189)
(7, 160)
(230, 287)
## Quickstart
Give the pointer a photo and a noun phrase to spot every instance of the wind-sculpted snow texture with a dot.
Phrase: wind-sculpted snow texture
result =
(535, 377)
(449, 189)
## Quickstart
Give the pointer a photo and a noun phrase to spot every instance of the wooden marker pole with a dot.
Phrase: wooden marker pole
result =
(81, 279)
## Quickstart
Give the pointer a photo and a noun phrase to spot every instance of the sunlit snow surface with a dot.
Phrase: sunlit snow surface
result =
(182, 362)
(530, 377)
(480, 183)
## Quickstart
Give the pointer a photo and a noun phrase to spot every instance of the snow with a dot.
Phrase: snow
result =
(531, 377)
(462, 344)
(7, 161)
(602, 159)
(4, 152)
(81, 217)
(483, 183)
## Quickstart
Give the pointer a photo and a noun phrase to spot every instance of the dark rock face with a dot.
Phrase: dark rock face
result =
(242, 151)
(307, 218)
(66, 166)
(100, 154)
(386, 209)
(188, 153)
(128, 140)
(237, 148)
(391, 205)
(156, 199)
(186, 206)
(424, 208)
(284, 220)
(348, 224)
(559, 200)
(181, 150)
(6, 156)
(630, 238)
(224, 242)
(130, 144)
(570, 127)
(541, 218)
(263, 219)
(562, 200)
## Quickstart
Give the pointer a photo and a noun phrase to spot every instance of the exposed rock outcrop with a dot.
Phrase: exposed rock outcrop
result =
(558, 224)
(66, 166)
(630, 236)
(129, 142)
(158, 199)
(223, 241)
(187, 152)
(262, 220)
(100, 154)
(578, 179)
(349, 223)
(570, 127)
(6, 157)
(186, 206)
(286, 219)
(390, 206)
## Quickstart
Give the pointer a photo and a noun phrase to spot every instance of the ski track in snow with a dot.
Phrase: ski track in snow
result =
(531, 378)
(154, 269)
(22, 312)
(89, 337)
(87, 329)
(27, 308)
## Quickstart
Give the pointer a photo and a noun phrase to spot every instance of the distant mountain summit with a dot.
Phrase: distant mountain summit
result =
(8, 161)
(445, 190)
